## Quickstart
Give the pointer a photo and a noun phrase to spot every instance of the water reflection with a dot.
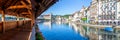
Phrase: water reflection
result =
(48, 24)
(58, 22)
(78, 29)
(96, 33)
(59, 31)
(72, 31)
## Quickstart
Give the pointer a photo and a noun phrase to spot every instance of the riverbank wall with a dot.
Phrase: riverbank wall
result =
(38, 34)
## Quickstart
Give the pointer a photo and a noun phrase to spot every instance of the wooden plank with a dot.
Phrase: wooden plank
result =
(42, 6)
(29, 1)
(1, 26)
(17, 20)
(27, 6)
(3, 20)
(49, 2)
(8, 25)
(20, 6)
(17, 6)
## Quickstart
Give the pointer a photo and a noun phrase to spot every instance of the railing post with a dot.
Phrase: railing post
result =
(32, 16)
(17, 20)
(32, 21)
(3, 21)
(23, 21)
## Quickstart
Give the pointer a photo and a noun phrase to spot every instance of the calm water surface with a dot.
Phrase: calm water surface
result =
(58, 31)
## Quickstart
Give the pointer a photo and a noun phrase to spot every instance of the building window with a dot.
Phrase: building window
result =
(110, 17)
(114, 8)
(110, 0)
(119, 18)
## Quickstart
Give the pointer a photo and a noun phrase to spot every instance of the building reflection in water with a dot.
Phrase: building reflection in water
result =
(70, 24)
(58, 22)
(48, 24)
(78, 29)
(95, 33)
(90, 32)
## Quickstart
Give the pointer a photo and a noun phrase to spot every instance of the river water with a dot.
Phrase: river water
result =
(72, 31)
(59, 31)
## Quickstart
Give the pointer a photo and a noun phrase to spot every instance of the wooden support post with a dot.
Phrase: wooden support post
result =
(23, 21)
(32, 15)
(3, 21)
(17, 20)
(33, 20)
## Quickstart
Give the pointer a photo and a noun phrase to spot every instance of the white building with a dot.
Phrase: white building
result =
(118, 10)
(93, 11)
(85, 13)
(70, 17)
(58, 18)
(76, 16)
(82, 11)
(47, 16)
(108, 12)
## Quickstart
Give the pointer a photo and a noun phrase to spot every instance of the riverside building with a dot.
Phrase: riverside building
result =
(108, 12)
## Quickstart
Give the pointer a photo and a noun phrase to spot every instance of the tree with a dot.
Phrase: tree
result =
(84, 19)
(66, 16)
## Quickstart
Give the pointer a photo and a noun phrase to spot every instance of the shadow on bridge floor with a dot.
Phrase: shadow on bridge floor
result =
(21, 33)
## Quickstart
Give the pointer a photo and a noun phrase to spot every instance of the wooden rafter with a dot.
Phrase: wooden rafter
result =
(43, 6)
(20, 6)
(29, 12)
(43, 1)
(27, 6)
(24, 13)
(17, 7)
(31, 7)
(49, 2)
(28, 1)
(24, 4)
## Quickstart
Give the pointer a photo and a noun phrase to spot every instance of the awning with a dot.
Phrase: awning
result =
(110, 29)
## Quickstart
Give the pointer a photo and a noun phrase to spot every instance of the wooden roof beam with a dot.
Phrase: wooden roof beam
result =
(20, 6)
(23, 3)
(24, 13)
(29, 1)
(29, 12)
(27, 6)
(16, 7)
(49, 2)
(43, 6)
(43, 1)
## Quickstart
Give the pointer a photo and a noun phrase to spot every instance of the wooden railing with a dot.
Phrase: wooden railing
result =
(13, 24)
(1, 26)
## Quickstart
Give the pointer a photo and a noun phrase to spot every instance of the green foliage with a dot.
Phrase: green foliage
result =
(66, 16)
(84, 19)
(39, 37)
(85, 28)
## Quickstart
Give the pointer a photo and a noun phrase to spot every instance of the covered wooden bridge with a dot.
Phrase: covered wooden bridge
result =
(25, 11)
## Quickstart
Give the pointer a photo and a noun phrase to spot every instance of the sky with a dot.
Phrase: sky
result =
(63, 7)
